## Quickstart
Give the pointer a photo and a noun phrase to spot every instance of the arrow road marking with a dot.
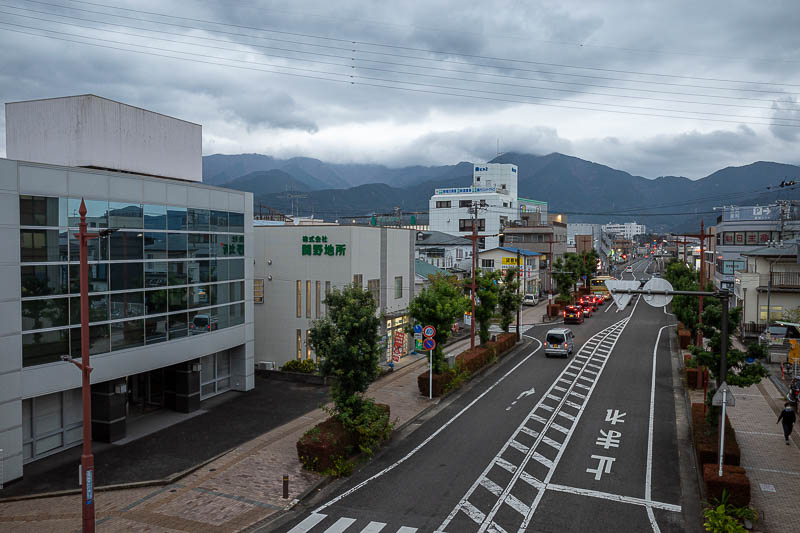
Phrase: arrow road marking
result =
(522, 395)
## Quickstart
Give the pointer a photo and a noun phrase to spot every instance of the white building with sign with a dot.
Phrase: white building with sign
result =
(627, 230)
(493, 190)
(503, 258)
(298, 265)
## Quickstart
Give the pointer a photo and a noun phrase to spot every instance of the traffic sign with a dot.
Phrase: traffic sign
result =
(428, 331)
(417, 328)
(723, 390)
(619, 298)
(418, 336)
(658, 284)
(429, 344)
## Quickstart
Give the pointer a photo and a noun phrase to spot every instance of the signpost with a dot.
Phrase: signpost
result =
(722, 397)
(429, 344)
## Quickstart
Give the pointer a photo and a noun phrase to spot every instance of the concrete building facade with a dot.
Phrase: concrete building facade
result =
(628, 230)
(502, 258)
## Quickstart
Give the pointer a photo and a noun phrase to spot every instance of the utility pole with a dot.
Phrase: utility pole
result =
(473, 210)
(519, 282)
(702, 236)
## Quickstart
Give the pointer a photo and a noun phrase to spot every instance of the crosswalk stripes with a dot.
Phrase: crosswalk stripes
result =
(342, 525)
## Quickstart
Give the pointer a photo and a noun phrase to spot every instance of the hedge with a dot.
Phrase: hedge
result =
(734, 480)
(706, 440)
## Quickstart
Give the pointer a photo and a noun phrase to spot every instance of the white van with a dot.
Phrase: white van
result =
(529, 299)
(559, 341)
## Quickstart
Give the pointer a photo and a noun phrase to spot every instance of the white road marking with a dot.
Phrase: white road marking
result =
(430, 438)
(406, 529)
(613, 497)
(759, 432)
(374, 527)
(603, 466)
(340, 525)
(649, 476)
(308, 523)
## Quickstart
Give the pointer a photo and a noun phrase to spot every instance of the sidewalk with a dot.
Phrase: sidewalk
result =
(773, 467)
(235, 491)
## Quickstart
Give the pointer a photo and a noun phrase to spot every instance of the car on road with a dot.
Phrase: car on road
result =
(573, 314)
(530, 299)
(559, 341)
(629, 268)
(586, 309)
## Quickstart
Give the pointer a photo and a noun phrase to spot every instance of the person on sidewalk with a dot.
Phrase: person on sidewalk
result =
(787, 416)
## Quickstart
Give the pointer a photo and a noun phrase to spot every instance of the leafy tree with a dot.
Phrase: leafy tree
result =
(509, 299)
(487, 292)
(685, 307)
(565, 279)
(792, 315)
(585, 264)
(439, 305)
(348, 343)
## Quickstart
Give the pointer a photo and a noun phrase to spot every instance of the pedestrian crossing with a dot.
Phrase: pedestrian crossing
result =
(322, 523)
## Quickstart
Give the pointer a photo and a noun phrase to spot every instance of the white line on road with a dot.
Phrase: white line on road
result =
(374, 527)
(613, 497)
(431, 437)
(308, 523)
(648, 483)
(340, 525)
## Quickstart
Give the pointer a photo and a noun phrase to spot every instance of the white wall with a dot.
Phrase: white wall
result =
(89, 131)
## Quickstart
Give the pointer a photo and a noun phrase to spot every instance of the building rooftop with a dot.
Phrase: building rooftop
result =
(439, 238)
(514, 250)
(425, 269)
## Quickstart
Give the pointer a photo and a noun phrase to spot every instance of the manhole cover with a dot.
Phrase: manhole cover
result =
(766, 487)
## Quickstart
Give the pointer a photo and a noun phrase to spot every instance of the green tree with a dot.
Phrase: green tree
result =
(587, 266)
(565, 278)
(439, 305)
(487, 293)
(347, 341)
(685, 307)
(509, 298)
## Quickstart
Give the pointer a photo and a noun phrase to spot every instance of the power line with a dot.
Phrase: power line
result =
(356, 62)
(352, 81)
(353, 50)
(430, 51)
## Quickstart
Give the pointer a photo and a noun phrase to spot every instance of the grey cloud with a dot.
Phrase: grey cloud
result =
(786, 108)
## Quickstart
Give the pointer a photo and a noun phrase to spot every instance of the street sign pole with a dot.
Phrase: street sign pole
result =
(430, 376)
(722, 431)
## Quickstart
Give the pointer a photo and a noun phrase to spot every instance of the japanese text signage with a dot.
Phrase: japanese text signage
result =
(318, 245)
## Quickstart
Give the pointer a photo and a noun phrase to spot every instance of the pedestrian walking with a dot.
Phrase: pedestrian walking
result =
(787, 417)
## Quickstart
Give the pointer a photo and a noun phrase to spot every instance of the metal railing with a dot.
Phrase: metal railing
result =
(785, 279)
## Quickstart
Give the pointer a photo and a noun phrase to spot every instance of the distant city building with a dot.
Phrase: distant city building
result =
(628, 230)
(443, 250)
(582, 229)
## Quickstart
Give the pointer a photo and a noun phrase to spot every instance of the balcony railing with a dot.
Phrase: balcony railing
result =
(790, 280)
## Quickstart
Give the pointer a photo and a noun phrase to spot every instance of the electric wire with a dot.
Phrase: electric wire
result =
(398, 47)
(354, 50)
(361, 67)
(352, 81)
(355, 62)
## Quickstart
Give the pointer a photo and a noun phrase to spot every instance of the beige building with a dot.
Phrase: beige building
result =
(296, 266)
(770, 280)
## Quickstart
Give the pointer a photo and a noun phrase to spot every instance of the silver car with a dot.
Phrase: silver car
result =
(560, 342)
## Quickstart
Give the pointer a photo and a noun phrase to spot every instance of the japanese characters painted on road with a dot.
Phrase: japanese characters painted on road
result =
(429, 331)
(658, 284)
(621, 299)
(730, 401)
(429, 344)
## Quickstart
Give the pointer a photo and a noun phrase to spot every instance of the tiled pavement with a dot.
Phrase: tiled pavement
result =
(773, 467)
(239, 489)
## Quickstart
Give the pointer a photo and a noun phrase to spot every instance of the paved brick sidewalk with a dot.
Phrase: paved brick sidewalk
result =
(235, 491)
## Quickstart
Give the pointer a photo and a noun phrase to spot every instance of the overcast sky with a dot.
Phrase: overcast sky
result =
(539, 76)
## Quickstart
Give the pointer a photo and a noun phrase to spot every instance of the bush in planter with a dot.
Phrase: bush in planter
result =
(440, 383)
(474, 359)
(734, 482)
(706, 439)
(505, 342)
(303, 366)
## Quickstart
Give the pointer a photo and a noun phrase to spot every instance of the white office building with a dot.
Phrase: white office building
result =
(627, 230)
(297, 266)
(170, 292)
(494, 190)
(582, 229)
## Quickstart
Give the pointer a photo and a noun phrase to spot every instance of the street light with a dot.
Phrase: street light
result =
(87, 458)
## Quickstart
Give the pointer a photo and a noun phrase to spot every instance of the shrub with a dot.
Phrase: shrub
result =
(367, 422)
(734, 482)
(304, 366)
(706, 440)
(440, 383)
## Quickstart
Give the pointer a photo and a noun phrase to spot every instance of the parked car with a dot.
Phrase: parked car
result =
(559, 341)
(778, 333)
(202, 324)
(573, 314)
(530, 299)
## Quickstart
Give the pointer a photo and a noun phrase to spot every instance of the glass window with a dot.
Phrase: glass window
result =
(125, 215)
(42, 245)
(177, 299)
(218, 245)
(127, 305)
(176, 245)
(127, 276)
(218, 221)
(208, 271)
(221, 293)
(177, 326)
(99, 338)
(221, 316)
(43, 280)
(155, 216)
(96, 249)
(197, 219)
(96, 213)
(155, 275)
(45, 347)
(236, 269)
(398, 287)
(193, 270)
(155, 329)
(155, 302)
(155, 245)
(299, 342)
(177, 273)
(199, 296)
(202, 322)
(98, 308)
(739, 237)
(198, 245)
(751, 237)
(236, 289)
(236, 222)
(44, 313)
(176, 218)
(98, 278)
(237, 314)
(127, 334)
(126, 245)
(258, 292)
(308, 298)
(222, 273)
(41, 211)
(236, 247)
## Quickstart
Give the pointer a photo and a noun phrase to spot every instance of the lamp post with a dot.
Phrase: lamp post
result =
(87, 458)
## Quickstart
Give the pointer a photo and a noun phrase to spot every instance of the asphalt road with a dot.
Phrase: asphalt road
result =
(588, 443)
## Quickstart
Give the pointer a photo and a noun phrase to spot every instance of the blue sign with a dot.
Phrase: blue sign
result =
(89, 487)
(481, 169)
(417, 328)
(429, 344)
